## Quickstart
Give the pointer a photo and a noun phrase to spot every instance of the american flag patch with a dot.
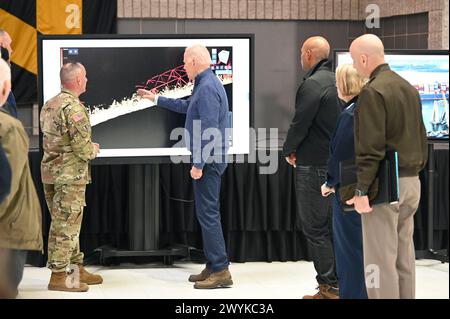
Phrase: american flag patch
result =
(77, 117)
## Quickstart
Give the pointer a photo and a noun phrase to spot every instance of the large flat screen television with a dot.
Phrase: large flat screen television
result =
(428, 72)
(131, 129)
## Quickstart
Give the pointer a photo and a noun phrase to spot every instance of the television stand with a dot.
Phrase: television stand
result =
(430, 252)
(144, 219)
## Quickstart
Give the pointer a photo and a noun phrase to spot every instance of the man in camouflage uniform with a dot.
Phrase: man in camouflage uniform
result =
(65, 172)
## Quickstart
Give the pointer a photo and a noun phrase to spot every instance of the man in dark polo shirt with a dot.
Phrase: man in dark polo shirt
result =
(388, 117)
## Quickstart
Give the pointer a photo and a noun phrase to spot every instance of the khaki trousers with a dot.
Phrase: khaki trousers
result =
(389, 257)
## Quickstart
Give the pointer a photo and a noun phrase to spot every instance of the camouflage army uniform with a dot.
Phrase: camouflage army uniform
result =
(65, 172)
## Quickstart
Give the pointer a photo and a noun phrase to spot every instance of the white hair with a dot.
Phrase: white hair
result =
(3, 36)
(5, 73)
(5, 81)
(200, 53)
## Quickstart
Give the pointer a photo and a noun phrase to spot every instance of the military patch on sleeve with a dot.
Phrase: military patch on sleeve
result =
(78, 117)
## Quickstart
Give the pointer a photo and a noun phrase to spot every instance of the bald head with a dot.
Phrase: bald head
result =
(367, 52)
(319, 46)
(196, 60)
(200, 53)
(5, 41)
(4, 36)
(368, 44)
(314, 50)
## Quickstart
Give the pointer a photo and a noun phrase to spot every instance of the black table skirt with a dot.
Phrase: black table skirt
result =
(258, 211)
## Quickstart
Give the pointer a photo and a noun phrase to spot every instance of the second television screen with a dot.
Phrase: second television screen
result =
(428, 72)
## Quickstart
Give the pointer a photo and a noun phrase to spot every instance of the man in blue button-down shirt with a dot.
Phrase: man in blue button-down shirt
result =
(206, 116)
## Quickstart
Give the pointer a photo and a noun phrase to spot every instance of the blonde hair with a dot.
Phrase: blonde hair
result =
(348, 80)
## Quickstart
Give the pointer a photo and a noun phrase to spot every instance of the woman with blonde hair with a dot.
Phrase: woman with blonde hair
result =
(347, 231)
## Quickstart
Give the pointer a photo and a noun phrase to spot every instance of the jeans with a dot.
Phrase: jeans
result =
(315, 214)
(18, 259)
(12, 263)
(207, 207)
(348, 248)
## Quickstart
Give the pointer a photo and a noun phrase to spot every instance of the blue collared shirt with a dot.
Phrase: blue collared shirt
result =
(209, 105)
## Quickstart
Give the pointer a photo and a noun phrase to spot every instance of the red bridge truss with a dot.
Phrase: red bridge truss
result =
(176, 77)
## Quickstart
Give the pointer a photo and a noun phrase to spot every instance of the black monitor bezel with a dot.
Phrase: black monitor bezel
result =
(144, 159)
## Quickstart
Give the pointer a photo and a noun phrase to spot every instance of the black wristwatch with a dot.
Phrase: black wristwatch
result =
(359, 193)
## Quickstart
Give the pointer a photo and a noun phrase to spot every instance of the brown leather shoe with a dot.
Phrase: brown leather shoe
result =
(61, 281)
(329, 292)
(88, 278)
(218, 279)
(318, 295)
(325, 292)
(201, 276)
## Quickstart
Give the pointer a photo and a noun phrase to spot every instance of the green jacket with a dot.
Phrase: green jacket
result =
(388, 117)
(20, 212)
(67, 143)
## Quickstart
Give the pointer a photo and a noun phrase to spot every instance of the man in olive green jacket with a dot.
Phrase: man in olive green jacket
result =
(388, 117)
(20, 211)
(68, 148)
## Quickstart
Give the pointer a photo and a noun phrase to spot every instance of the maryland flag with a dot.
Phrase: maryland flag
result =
(24, 19)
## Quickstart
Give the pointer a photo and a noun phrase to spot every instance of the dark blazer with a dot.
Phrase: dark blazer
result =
(390, 119)
(11, 105)
(342, 146)
(20, 211)
(316, 112)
